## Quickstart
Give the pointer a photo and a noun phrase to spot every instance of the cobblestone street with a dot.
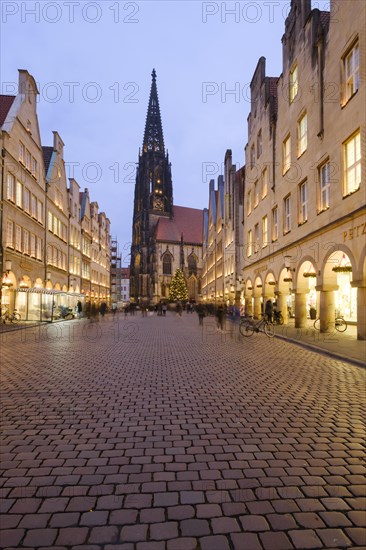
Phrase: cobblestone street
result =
(153, 433)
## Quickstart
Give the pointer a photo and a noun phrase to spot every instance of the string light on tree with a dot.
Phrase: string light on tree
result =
(178, 287)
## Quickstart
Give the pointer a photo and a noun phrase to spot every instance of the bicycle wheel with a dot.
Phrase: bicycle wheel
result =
(15, 318)
(317, 324)
(246, 328)
(340, 324)
(269, 329)
(280, 319)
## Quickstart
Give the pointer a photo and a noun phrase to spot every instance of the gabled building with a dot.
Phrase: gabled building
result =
(46, 228)
(304, 222)
(22, 200)
(57, 216)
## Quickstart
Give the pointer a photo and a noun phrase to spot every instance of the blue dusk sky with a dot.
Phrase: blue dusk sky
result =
(93, 62)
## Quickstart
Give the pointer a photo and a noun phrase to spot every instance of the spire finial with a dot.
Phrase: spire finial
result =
(153, 137)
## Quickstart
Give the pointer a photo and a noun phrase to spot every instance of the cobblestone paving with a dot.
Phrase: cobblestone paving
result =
(153, 434)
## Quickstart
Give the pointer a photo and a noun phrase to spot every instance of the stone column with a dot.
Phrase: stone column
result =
(361, 313)
(257, 307)
(300, 309)
(248, 305)
(282, 306)
(327, 311)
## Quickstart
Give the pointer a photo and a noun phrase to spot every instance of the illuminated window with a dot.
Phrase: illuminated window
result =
(352, 72)
(18, 238)
(33, 245)
(352, 164)
(302, 135)
(287, 215)
(275, 224)
(10, 234)
(34, 206)
(324, 186)
(249, 202)
(259, 143)
(294, 83)
(25, 241)
(39, 248)
(26, 200)
(34, 167)
(50, 221)
(264, 231)
(40, 211)
(256, 194)
(264, 182)
(250, 243)
(28, 160)
(21, 153)
(286, 155)
(256, 237)
(19, 194)
(10, 187)
(303, 202)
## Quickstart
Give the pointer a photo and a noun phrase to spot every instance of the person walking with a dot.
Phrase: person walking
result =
(163, 307)
(94, 313)
(220, 318)
(269, 310)
(201, 313)
(79, 308)
(103, 309)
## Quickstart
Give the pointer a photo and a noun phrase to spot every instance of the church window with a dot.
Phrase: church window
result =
(192, 265)
(167, 264)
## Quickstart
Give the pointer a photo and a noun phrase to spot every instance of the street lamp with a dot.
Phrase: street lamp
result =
(6, 281)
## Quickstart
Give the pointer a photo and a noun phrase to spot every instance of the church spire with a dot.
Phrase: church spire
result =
(153, 137)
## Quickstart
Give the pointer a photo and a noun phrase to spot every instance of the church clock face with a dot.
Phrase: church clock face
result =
(158, 204)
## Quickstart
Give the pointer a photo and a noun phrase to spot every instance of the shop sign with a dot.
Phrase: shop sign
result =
(354, 232)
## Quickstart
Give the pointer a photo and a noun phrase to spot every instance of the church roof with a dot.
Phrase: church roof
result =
(186, 221)
(6, 101)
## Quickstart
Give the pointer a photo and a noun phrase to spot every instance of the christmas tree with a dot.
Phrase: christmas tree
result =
(178, 288)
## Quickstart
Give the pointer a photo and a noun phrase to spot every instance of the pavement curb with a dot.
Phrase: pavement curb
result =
(322, 351)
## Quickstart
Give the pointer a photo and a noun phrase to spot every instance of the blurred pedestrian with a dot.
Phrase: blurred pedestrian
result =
(79, 308)
(269, 310)
(103, 309)
(220, 313)
(201, 313)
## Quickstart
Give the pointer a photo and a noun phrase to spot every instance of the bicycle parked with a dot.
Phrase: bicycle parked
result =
(248, 326)
(11, 317)
(277, 317)
(339, 323)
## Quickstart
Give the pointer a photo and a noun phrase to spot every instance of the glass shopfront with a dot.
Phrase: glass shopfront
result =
(346, 297)
(44, 305)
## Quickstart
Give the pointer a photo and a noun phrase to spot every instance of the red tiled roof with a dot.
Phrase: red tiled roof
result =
(6, 101)
(188, 221)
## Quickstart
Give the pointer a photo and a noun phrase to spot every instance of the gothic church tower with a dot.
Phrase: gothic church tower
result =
(153, 200)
